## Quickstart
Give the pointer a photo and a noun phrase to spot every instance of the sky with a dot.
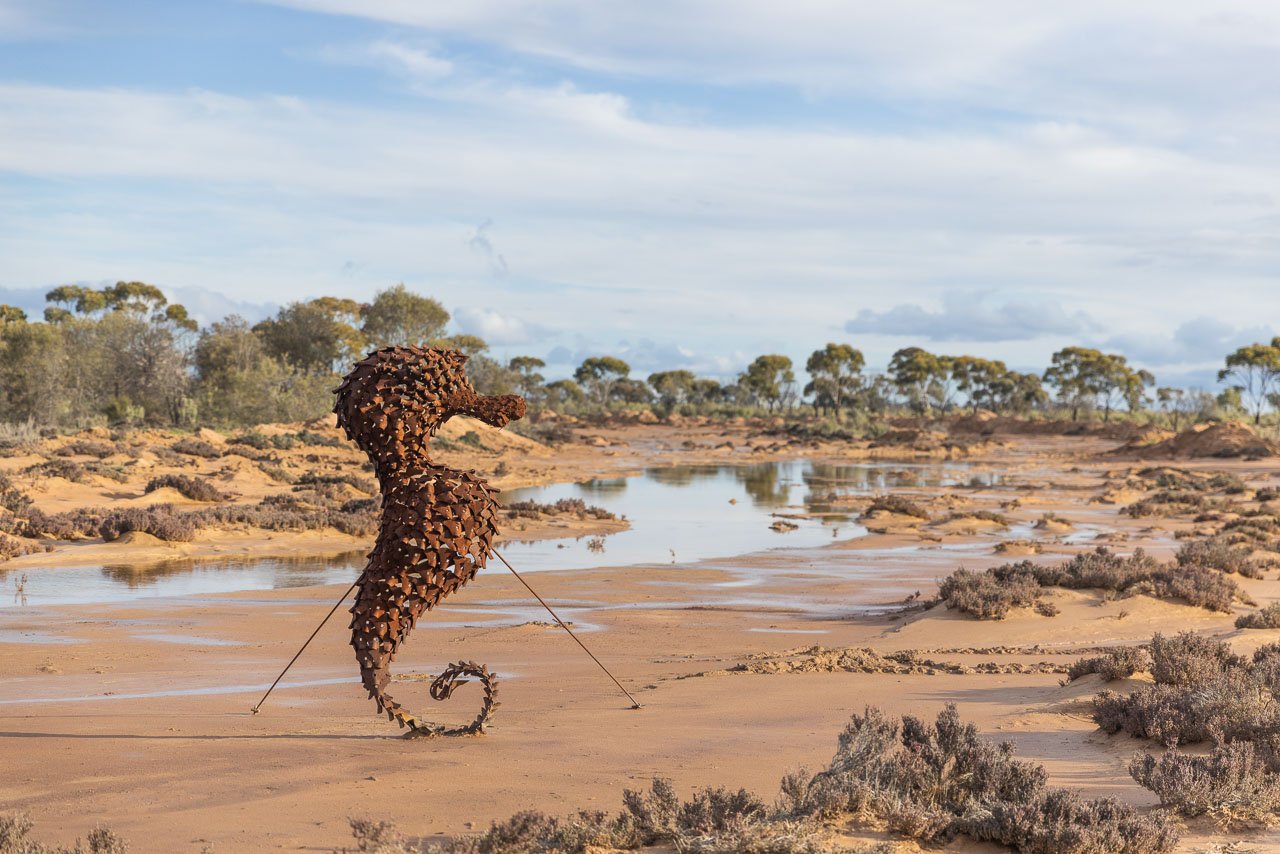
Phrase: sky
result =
(684, 184)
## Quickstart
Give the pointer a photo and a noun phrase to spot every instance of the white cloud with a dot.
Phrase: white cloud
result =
(416, 63)
(1200, 341)
(493, 327)
(969, 316)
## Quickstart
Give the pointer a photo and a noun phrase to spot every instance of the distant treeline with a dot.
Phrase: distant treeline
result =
(124, 355)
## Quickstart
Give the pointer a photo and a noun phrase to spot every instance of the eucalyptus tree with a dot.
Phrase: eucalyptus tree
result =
(769, 381)
(1254, 371)
(835, 373)
(597, 375)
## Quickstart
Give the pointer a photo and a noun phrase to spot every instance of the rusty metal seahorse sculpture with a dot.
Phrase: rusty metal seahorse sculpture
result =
(438, 523)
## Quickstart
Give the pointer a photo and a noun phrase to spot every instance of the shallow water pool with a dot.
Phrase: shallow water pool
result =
(679, 514)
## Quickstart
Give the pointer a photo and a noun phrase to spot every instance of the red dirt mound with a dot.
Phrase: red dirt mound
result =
(1230, 439)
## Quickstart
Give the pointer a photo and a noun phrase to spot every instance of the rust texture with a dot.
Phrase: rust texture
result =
(438, 523)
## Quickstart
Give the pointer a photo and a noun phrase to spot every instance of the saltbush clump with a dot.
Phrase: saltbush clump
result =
(197, 489)
(531, 509)
(196, 448)
(897, 504)
(161, 521)
(15, 838)
(88, 448)
(1266, 618)
(1232, 784)
(1120, 663)
(986, 597)
(1214, 554)
(936, 782)
(991, 594)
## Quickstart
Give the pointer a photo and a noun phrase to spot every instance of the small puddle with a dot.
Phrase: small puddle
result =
(678, 515)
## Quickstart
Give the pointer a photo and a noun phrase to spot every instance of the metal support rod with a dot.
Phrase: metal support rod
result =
(304, 646)
(635, 704)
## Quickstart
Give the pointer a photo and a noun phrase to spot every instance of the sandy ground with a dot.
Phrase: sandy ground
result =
(137, 716)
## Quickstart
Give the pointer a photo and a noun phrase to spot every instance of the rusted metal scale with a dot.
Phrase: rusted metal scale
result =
(438, 523)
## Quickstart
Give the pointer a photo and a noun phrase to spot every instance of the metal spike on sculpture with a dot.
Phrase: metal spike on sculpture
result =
(438, 523)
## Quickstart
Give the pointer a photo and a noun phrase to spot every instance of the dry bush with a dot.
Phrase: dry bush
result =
(1120, 663)
(937, 782)
(360, 484)
(76, 472)
(19, 437)
(531, 509)
(1232, 784)
(715, 820)
(1100, 569)
(76, 524)
(1267, 493)
(15, 831)
(161, 521)
(1266, 618)
(1165, 477)
(1233, 706)
(11, 548)
(1215, 554)
(897, 504)
(983, 515)
(1203, 691)
(12, 498)
(1203, 588)
(1189, 659)
(548, 433)
(1172, 504)
(991, 594)
(985, 596)
(196, 448)
(262, 442)
(197, 489)
(278, 474)
(318, 440)
(87, 448)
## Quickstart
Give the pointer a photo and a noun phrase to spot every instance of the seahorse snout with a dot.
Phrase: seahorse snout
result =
(494, 410)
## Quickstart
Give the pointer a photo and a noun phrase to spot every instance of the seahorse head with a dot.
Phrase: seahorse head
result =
(395, 399)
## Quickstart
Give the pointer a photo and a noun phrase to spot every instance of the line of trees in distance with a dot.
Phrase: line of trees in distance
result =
(124, 355)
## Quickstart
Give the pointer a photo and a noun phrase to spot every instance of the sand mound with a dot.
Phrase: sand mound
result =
(988, 424)
(913, 438)
(138, 538)
(1231, 439)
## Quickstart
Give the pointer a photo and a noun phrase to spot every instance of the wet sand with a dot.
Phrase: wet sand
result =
(137, 715)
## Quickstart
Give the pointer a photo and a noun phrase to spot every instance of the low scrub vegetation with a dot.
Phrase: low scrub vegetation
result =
(897, 504)
(931, 782)
(1265, 618)
(197, 489)
(1232, 784)
(15, 838)
(162, 521)
(531, 509)
(1120, 663)
(991, 594)
(196, 448)
(1216, 554)
(87, 448)
(1203, 692)
(74, 471)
